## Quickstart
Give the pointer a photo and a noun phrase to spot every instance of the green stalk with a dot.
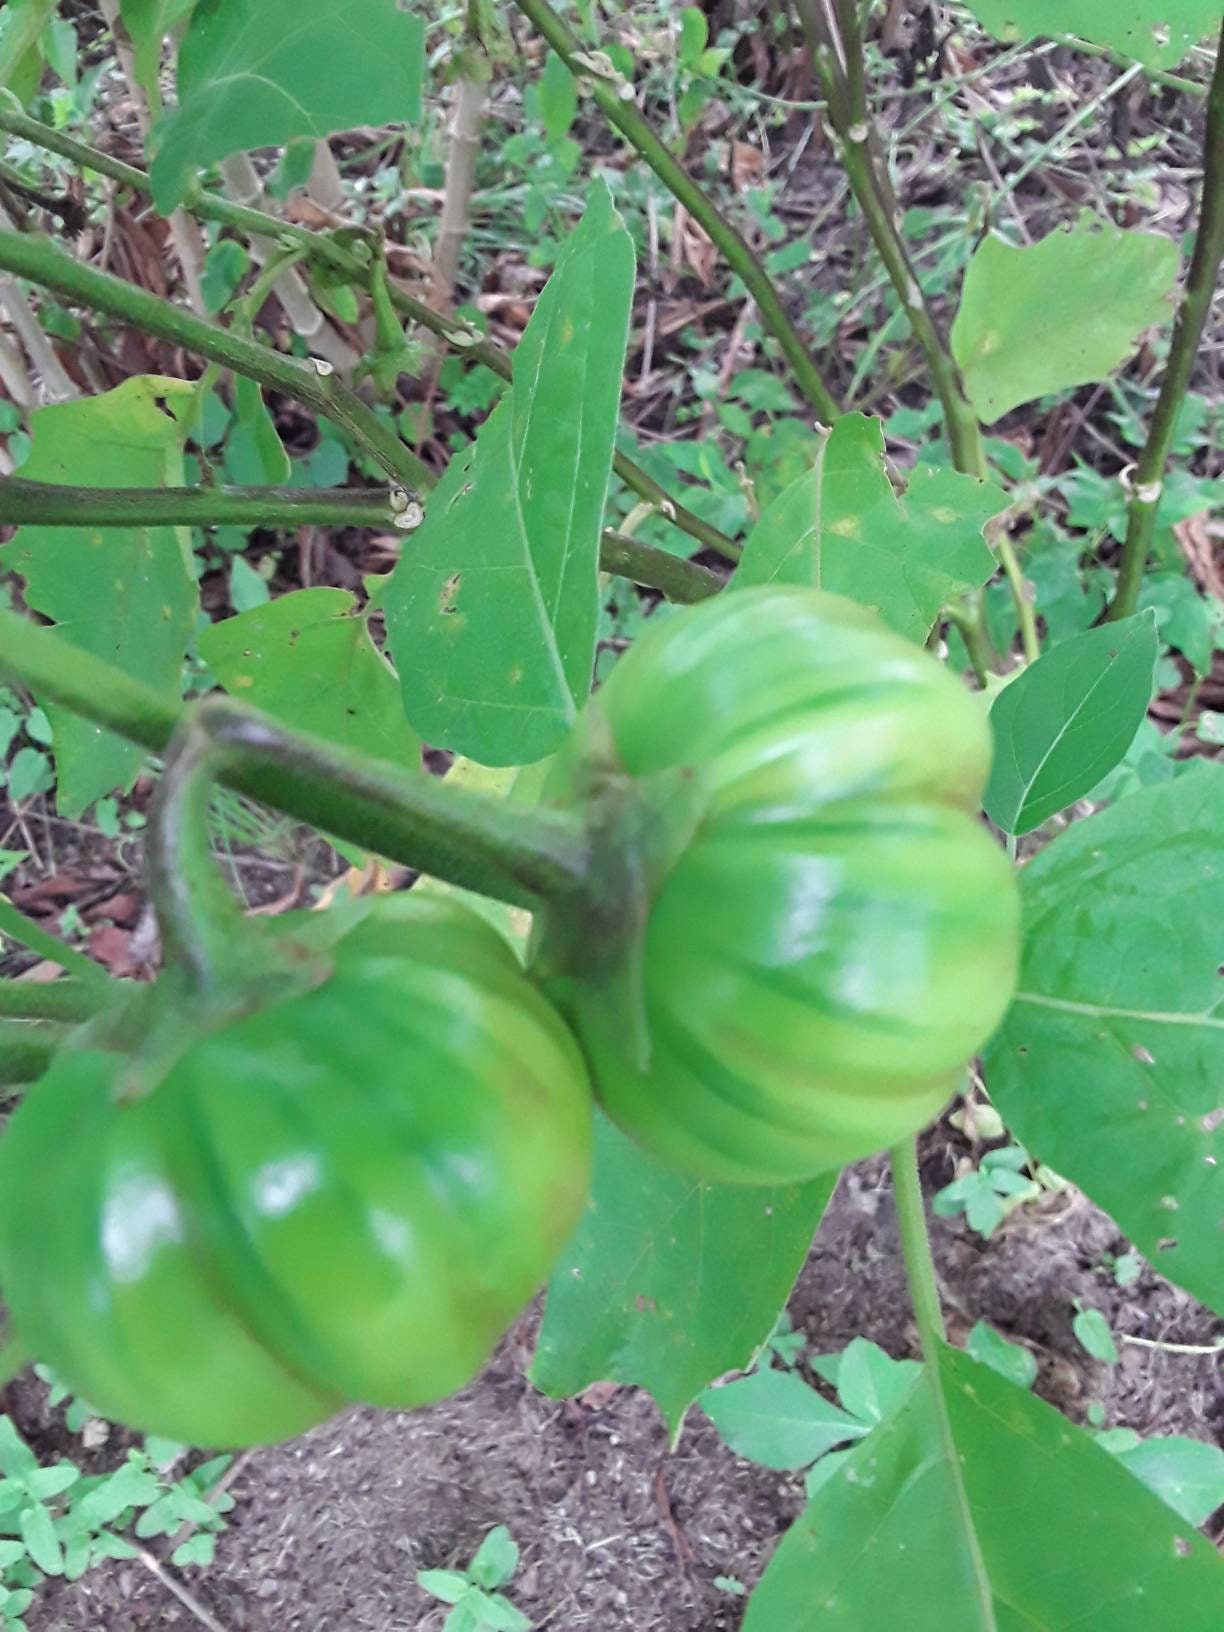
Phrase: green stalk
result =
(208, 206)
(1148, 479)
(67, 1000)
(839, 58)
(928, 1317)
(27, 933)
(1159, 76)
(313, 384)
(622, 111)
(53, 504)
(525, 857)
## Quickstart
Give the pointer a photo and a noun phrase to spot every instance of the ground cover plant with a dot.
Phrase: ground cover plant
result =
(638, 683)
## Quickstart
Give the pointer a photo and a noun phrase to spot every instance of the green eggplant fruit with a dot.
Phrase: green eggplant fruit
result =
(345, 1195)
(809, 929)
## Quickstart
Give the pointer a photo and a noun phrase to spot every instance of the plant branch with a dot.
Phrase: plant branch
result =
(51, 504)
(241, 218)
(67, 1000)
(1147, 482)
(852, 122)
(928, 1316)
(615, 98)
(525, 857)
(39, 259)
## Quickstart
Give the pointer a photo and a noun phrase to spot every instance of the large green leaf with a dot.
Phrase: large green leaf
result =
(1068, 1540)
(492, 610)
(840, 526)
(123, 593)
(258, 73)
(669, 1282)
(1157, 32)
(1065, 311)
(1110, 1064)
(1066, 721)
(308, 659)
(21, 59)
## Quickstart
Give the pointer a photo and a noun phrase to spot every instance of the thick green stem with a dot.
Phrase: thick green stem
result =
(525, 857)
(615, 98)
(674, 577)
(932, 1334)
(313, 384)
(51, 504)
(1147, 481)
(208, 206)
(27, 933)
(67, 1000)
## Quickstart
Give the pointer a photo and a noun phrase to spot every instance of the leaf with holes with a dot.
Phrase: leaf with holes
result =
(1067, 720)
(669, 1282)
(1110, 1063)
(492, 610)
(259, 73)
(1065, 311)
(126, 594)
(1156, 32)
(308, 659)
(841, 527)
(968, 1528)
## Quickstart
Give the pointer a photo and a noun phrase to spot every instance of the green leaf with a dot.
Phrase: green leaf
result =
(1094, 1336)
(1156, 32)
(255, 74)
(308, 659)
(841, 527)
(499, 1614)
(1010, 1360)
(17, 1460)
(148, 22)
(248, 589)
(29, 773)
(496, 1559)
(491, 612)
(254, 454)
(225, 266)
(1110, 1063)
(871, 1384)
(1068, 720)
(558, 96)
(1065, 311)
(778, 1420)
(1185, 1473)
(42, 1543)
(670, 1282)
(21, 62)
(694, 35)
(126, 594)
(198, 1549)
(1068, 1541)
(448, 1586)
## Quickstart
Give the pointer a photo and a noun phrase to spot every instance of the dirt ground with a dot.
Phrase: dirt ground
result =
(616, 1534)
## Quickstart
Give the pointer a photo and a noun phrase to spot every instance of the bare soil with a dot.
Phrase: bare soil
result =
(617, 1533)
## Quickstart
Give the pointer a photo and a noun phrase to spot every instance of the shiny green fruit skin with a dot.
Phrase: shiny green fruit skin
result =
(346, 1196)
(840, 933)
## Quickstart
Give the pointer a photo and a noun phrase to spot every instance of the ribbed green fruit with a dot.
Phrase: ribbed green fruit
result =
(833, 932)
(346, 1196)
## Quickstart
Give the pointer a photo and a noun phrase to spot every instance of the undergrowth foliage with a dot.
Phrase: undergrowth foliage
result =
(606, 634)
